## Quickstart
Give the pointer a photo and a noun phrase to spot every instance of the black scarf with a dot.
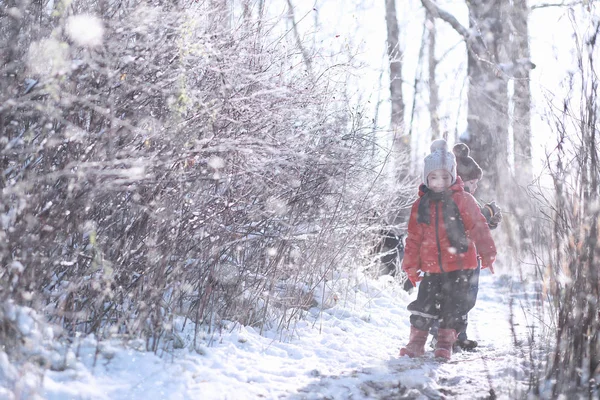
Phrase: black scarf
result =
(452, 220)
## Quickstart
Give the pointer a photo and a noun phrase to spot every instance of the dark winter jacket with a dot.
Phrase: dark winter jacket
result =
(447, 234)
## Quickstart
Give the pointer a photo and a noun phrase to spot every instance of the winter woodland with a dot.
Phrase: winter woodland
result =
(183, 179)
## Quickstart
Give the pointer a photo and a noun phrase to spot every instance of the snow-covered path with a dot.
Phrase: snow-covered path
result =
(348, 351)
(498, 369)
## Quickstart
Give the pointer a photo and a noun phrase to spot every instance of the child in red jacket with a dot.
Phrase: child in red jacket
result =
(469, 171)
(444, 230)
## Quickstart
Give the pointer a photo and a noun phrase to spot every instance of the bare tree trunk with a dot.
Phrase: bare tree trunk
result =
(521, 123)
(401, 145)
(487, 116)
(518, 69)
(433, 87)
(418, 79)
(395, 60)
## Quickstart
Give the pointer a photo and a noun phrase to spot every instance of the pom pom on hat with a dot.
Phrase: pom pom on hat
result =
(461, 150)
(440, 158)
(466, 167)
(438, 145)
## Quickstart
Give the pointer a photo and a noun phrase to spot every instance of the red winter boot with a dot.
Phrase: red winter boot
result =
(416, 344)
(445, 341)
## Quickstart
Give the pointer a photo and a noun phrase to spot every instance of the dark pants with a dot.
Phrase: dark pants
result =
(445, 298)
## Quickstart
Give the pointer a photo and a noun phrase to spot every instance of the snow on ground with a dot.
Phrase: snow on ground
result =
(348, 351)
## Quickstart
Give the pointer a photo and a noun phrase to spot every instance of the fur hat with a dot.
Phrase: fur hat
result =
(466, 167)
(440, 158)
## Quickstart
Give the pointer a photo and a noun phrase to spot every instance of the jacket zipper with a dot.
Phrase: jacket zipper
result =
(437, 235)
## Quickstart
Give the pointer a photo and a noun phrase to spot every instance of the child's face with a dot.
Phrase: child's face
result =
(471, 186)
(439, 180)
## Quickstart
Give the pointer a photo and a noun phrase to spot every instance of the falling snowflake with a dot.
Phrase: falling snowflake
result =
(216, 162)
(85, 30)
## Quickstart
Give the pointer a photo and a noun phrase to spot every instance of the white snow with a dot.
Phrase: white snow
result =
(48, 57)
(347, 351)
(85, 30)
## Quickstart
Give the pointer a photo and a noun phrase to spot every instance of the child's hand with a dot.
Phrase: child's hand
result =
(413, 277)
(491, 267)
(496, 214)
(488, 263)
(496, 218)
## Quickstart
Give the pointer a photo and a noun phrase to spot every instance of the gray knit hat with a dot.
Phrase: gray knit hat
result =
(440, 158)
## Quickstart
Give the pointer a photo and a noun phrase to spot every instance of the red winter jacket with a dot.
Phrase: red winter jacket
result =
(430, 251)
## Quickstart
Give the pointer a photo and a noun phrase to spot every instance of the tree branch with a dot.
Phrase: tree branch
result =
(474, 45)
(473, 42)
(563, 4)
(305, 56)
(437, 12)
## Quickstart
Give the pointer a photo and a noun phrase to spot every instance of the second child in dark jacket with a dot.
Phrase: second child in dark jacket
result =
(446, 231)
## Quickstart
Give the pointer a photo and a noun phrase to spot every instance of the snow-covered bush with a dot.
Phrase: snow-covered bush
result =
(158, 161)
(567, 242)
